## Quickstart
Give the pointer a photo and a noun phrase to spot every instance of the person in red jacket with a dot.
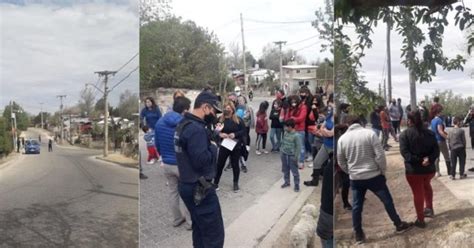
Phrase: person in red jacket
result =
(297, 111)
(261, 128)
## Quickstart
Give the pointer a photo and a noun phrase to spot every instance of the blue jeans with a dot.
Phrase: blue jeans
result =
(302, 144)
(275, 137)
(288, 164)
(309, 143)
(208, 226)
(327, 243)
(377, 131)
(379, 187)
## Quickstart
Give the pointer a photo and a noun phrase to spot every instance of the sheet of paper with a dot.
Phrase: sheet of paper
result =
(229, 144)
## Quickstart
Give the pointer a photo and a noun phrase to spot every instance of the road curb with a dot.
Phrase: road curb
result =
(263, 220)
(271, 238)
(12, 159)
(128, 165)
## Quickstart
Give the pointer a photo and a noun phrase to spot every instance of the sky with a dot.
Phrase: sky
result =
(374, 62)
(51, 48)
(223, 18)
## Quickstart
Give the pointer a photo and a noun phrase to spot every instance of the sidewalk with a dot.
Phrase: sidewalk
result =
(120, 159)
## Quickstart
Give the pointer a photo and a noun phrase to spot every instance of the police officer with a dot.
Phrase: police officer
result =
(196, 156)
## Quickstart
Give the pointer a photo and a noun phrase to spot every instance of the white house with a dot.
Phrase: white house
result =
(295, 76)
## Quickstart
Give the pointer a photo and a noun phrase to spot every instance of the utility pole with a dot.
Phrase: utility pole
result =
(106, 74)
(12, 119)
(280, 43)
(62, 123)
(243, 55)
(389, 64)
(41, 103)
(385, 91)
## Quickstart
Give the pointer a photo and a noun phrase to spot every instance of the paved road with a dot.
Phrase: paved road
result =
(66, 198)
(155, 218)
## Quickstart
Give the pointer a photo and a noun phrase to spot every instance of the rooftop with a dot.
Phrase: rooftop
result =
(300, 67)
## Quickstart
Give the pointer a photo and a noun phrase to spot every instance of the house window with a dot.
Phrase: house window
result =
(297, 71)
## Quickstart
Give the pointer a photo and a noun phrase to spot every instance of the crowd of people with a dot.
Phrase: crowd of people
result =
(361, 162)
(193, 146)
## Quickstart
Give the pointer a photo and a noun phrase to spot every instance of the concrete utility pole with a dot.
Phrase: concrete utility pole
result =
(41, 115)
(389, 64)
(106, 74)
(62, 123)
(12, 119)
(280, 43)
(385, 91)
(243, 55)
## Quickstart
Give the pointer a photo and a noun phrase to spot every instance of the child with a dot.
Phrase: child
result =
(290, 152)
(457, 147)
(276, 130)
(149, 138)
(262, 127)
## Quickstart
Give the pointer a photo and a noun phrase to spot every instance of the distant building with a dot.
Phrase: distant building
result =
(295, 76)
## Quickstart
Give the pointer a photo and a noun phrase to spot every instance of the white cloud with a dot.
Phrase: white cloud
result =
(223, 17)
(49, 50)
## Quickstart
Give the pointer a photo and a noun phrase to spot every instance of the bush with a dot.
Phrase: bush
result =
(5, 139)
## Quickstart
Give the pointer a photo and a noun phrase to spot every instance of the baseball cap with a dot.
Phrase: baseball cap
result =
(209, 98)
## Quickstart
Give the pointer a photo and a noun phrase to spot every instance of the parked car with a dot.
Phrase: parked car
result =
(32, 147)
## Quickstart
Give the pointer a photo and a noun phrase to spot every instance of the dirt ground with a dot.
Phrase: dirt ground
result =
(284, 239)
(452, 216)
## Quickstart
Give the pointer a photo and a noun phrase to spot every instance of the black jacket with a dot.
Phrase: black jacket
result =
(375, 121)
(414, 146)
(195, 154)
(275, 118)
(237, 128)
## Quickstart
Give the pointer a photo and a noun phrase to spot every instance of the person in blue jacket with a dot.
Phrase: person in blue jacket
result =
(150, 113)
(196, 156)
(164, 142)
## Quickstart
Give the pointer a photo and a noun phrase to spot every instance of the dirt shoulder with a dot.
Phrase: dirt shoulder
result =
(454, 218)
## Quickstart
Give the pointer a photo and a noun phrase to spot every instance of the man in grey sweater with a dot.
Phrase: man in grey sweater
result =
(361, 155)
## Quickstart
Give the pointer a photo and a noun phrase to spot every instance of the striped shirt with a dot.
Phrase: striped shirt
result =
(360, 153)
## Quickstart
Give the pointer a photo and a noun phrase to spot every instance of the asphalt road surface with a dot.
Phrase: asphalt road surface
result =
(67, 198)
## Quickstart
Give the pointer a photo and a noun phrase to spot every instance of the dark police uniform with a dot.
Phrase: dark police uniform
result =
(196, 157)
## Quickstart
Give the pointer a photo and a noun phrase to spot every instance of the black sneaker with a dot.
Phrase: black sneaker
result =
(216, 187)
(420, 224)
(143, 176)
(312, 183)
(360, 237)
(236, 187)
(404, 226)
(471, 169)
(348, 207)
(463, 176)
(285, 185)
(244, 168)
(428, 212)
(228, 167)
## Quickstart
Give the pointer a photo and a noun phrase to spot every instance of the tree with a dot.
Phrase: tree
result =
(22, 119)
(37, 119)
(152, 10)
(453, 105)
(86, 101)
(271, 57)
(128, 105)
(100, 105)
(178, 54)
(249, 60)
(406, 19)
(234, 59)
(5, 138)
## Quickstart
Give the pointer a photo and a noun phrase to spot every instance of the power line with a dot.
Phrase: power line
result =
(277, 22)
(307, 46)
(297, 42)
(130, 60)
(123, 79)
